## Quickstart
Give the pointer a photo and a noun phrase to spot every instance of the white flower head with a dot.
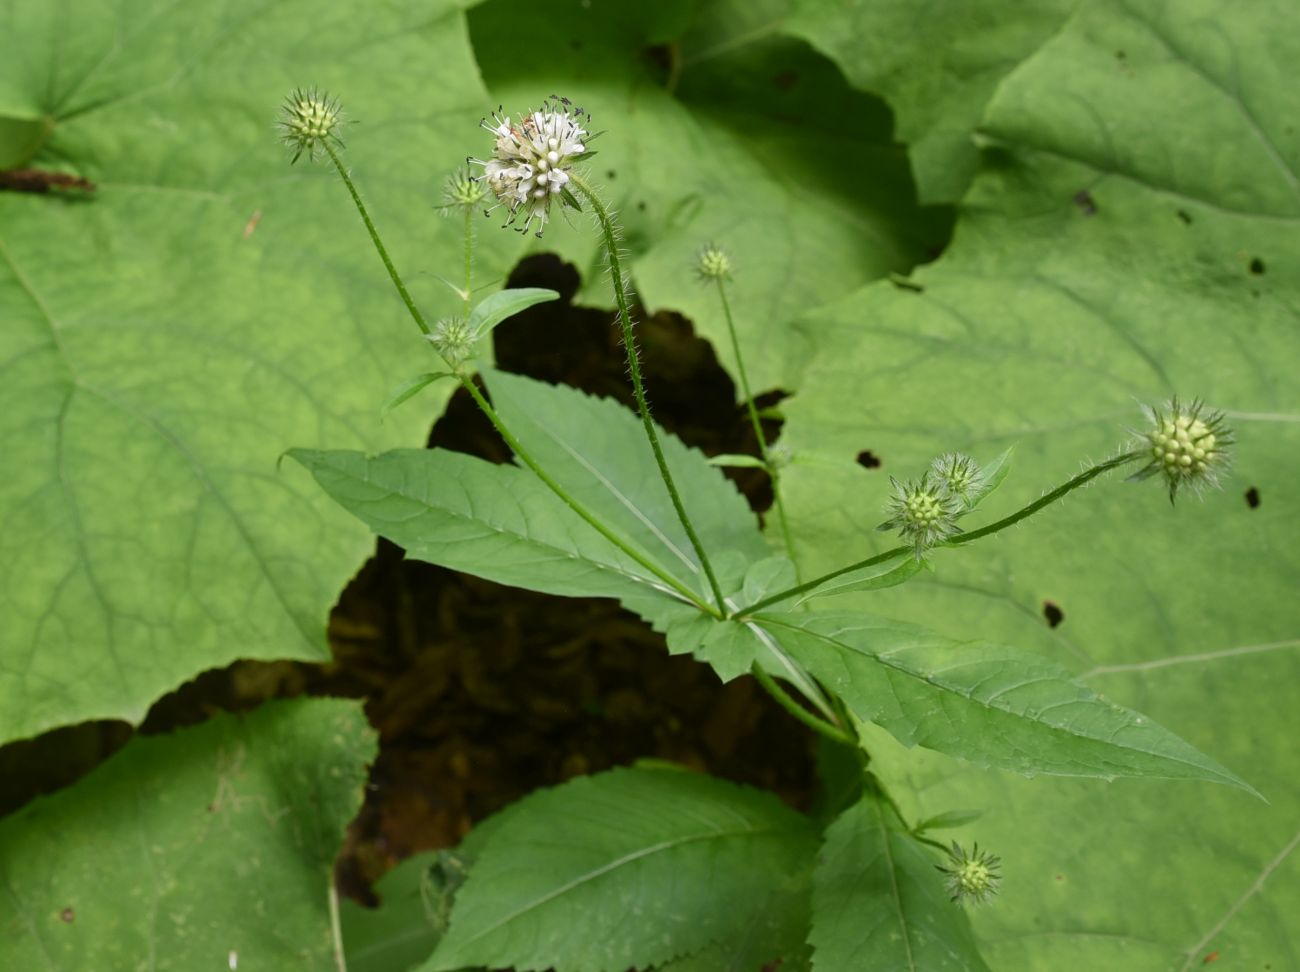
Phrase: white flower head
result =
(531, 159)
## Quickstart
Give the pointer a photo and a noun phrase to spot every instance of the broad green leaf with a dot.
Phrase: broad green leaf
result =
(414, 906)
(741, 140)
(490, 520)
(991, 704)
(878, 898)
(212, 847)
(504, 304)
(626, 869)
(936, 66)
(1050, 314)
(167, 337)
(597, 450)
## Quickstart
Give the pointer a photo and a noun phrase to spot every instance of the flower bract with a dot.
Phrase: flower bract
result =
(532, 158)
(308, 118)
(923, 511)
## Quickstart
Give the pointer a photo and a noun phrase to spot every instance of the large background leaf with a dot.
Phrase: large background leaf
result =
(1132, 234)
(209, 848)
(166, 339)
(717, 132)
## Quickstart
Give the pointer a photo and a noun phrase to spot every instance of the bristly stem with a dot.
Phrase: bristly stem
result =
(1092, 472)
(374, 238)
(638, 388)
(773, 689)
(752, 408)
(469, 257)
(515, 445)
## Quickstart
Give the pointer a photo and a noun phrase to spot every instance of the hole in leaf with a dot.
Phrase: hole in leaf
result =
(868, 459)
(1185, 216)
(1053, 614)
(1087, 205)
(1252, 498)
(1257, 266)
(68, 915)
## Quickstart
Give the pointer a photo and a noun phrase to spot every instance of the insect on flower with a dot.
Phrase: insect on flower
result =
(531, 159)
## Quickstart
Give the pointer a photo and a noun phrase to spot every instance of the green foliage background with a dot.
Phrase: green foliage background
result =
(1124, 182)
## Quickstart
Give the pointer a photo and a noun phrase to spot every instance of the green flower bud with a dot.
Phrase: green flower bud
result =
(454, 340)
(307, 119)
(959, 474)
(713, 263)
(972, 877)
(1185, 445)
(924, 512)
(462, 190)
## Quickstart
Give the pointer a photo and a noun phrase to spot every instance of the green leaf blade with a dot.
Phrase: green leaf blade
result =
(991, 704)
(877, 894)
(557, 882)
(504, 304)
(176, 851)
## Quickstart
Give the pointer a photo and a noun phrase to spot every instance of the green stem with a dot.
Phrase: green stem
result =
(752, 408)
(524, 456)
(1088, 474)
(469, 257)
(798, 711)
(374, 238)
(1084, 477)
(638, 388)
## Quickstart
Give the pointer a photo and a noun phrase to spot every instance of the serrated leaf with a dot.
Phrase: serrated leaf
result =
(877, 893)
(504, 304)
(212, 847)
(1131, 236)
(990, 704)
(624, 869)
(489, 520)
(167, 337)
(597, 450)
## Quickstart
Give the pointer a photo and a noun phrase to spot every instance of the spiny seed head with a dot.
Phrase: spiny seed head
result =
(973, 876)
(1187, 445)
(308, 118)
(713, 263)
(923, 511)
(959, 474)
(454, 340)
(462, 190)
(532, 159)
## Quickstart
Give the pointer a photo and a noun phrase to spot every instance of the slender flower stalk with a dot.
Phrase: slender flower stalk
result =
(714, 265)
(773, 688)
(1089, 474)
(468, 384)
(609, 233)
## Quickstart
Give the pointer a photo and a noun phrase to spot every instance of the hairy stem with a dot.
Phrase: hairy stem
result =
(610, 239)
(752, 408)
(374, 238)
(1047, 499)
(799, 712)
(524, 456)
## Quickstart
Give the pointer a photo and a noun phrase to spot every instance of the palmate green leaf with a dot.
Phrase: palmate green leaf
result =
(1050, 314)
(597, 450)
(493, 521)
(937, 68)
(212, 847)
(991, 704)
(167, 337)
(626, 869)
(878, 898)
(741, 139)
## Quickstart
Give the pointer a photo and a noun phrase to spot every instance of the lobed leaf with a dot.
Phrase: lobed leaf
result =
(210, 847)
